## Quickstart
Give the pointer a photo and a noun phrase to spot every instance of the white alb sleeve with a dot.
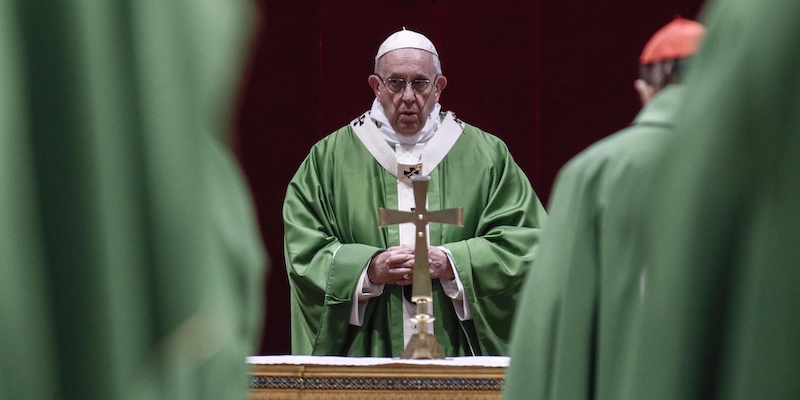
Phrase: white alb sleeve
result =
(365, 290)
(454, 289)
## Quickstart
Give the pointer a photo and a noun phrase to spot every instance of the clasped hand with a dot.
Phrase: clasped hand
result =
(395, 265)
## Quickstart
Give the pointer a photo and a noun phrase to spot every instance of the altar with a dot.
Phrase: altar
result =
(310, 377)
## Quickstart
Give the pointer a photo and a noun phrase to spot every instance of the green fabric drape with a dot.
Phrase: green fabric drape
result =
(130, 263)
(722, 304)
(582, 300)
(714, 225)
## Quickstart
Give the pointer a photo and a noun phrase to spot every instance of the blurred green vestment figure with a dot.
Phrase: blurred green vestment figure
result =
(721, 313)
(583, 292)
(715, 231)
(131, 266)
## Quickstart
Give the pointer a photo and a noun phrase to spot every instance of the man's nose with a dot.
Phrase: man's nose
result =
(408, 93)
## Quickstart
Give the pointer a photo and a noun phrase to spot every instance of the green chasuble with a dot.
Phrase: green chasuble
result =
(582, 299)
(331, 232)
(130, 262)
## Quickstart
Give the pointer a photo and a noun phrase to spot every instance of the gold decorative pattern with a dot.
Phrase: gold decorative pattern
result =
(390, 381)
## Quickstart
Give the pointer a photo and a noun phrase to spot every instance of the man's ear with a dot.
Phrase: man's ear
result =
(375, 84)
(646, 91)
(441, 83)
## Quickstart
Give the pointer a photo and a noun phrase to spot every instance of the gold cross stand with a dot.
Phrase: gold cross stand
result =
(422, 344)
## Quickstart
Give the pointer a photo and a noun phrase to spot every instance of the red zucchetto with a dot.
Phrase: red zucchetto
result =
(678, 39)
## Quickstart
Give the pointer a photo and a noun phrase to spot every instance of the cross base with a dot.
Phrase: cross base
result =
(422, 344)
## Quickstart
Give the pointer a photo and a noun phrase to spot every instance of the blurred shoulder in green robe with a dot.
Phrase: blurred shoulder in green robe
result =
(582, 297)
(718, 309)
(583, 300)
(131, 264)
(722, 305)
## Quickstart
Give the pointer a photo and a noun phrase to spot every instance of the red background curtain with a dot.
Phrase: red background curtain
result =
(548, 77)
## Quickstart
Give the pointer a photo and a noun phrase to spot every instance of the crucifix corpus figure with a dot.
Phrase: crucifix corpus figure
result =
(422, 343)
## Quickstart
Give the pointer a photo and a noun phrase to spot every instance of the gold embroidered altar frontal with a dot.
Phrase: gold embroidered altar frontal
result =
(317, 378)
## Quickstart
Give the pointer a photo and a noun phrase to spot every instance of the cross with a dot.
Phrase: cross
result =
(421, 289)
(422, 344)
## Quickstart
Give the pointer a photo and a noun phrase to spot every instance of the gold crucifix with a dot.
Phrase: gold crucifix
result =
(422, 344)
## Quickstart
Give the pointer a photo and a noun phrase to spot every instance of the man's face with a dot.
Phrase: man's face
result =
(407, 109)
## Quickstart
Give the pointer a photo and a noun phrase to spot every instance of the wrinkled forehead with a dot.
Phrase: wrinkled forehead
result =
(407, 63)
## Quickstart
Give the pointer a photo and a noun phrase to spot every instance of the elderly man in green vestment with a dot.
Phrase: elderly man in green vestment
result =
(347, 274)
(584, 294)
(131, 266)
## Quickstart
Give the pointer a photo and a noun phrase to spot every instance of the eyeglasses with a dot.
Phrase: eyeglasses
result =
(397, 85)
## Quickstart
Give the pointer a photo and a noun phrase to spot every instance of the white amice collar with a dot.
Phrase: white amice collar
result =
(431, 126)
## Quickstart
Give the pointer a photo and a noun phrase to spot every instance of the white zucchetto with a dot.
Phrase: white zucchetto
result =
(406, 39)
